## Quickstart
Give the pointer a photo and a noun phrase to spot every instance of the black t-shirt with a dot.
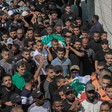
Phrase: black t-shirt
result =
(95, 45)
(76, 60)
(54, 55)
(66, 16)
(66, 105)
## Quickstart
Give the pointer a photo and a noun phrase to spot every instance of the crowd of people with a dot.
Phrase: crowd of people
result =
(50, 61)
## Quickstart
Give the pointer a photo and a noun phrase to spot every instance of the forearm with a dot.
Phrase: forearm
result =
(80, 54)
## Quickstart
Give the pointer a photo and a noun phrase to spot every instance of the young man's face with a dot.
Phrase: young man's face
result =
(68, 9)
(5, 37)
(58, 106)
(68, 41)
(90, 95)
(85, 43)
(26, 55)
(51, 73)
(39, 46)
(96, 37)
(21, 70)
(78, 22)
(12, 34)
(77, 45)
(60, 55)
(58, 29)
(70, 95)
(7, 81)
(104, 46)
(104, 36)
(54, 45)
(105, 82)
(109, 92)
(5, 55)
(105, 108)
(30, 33)
(77, 31)
(62, 95)
(19, 34)
(108, 59)
(85, 35)
(49, 30)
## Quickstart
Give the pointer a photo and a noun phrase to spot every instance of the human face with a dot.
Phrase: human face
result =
(105, 108)
(68, 9)
(109, 92)
(105, 82)
(68, 41)
(54, 16)
(19, 33)
(85, 35)
(76, 31)
(70, 95)
(77, 45)
(12, 34)
(5, 55)
(104, 36)
(51, 73)
(62, 82)
(26, 55)
(30, 33)
(49, 30)
(99, 68)
(7, 81)
(78, 22)
(5, 37)
(58, 29)
(90, 95)
(104, 46)
(96, 37)
(54, 45)
(62, 95)
(40, 100)
(58, 106)
(74, 72)
(67, 23)
(108, 59)
(60, 55)
(14, 50)
(21, 70)
(85, 43)
(39, 46)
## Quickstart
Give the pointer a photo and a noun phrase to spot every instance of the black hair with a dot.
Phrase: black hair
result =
(96, 17)
(96, 32)
(40, 41)
(109, 86)
(57, 98)
(61, 49)
(60, 89)
(107, 77)
(7, 75)
(108, 53)
(77, 41)
(5, 50)
(49, 67)
(106, 103)
(54, 40)
(104, 32)
(25, 50)
(58, 78)
(85, 31)
(78, 18)
(12, 29)
(28, 77)
(76, 27)
(21, 63)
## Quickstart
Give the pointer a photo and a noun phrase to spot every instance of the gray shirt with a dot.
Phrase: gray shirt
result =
(7, 67)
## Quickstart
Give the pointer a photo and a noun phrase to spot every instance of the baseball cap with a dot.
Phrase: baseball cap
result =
(15, 98)
(58, 68)
(105, 41)
(75, 67)
(67, 88)
(89, 87)
(36, 93)
(9, 41)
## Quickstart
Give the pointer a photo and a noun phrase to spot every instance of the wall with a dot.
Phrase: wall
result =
(103, 8)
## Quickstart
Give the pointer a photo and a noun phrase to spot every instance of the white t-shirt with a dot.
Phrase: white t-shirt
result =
(44, 54)
(90, 107)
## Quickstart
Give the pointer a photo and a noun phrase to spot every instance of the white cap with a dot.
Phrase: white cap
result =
(9, 41)
(10, 12)
(25, 13)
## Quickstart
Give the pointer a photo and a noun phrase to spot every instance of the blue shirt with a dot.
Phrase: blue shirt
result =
(66, 64)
